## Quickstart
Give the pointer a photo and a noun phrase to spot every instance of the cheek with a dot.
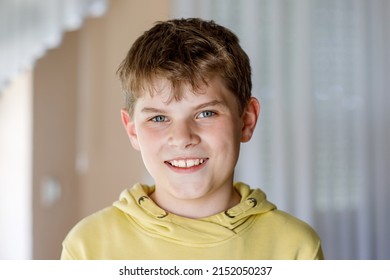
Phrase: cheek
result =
(230, 128)
(146, 135)
(150, 142)
(225, 137)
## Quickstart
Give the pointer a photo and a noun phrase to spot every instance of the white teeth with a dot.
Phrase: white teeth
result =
(186, 163)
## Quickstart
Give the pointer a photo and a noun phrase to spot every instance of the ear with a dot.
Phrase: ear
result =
(249, 119)
(129, 125)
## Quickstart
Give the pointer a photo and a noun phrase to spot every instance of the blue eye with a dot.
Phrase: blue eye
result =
(159, 119)
(206, 114)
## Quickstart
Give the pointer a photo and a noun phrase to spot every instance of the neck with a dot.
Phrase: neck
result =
(199, 207)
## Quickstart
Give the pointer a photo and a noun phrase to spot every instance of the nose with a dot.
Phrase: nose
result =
(183, 135)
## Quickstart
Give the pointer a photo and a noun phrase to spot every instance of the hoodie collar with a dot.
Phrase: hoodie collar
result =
(152, 219)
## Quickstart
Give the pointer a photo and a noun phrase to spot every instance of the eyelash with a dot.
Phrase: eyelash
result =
(161, 118)
(211, 114)
(158, 119)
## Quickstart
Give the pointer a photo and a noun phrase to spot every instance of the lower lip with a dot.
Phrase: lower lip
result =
(186, 169)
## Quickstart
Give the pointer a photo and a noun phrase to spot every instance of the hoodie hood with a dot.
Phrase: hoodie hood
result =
(155, 221)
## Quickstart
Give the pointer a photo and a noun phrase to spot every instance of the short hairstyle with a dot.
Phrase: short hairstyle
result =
(186, 50)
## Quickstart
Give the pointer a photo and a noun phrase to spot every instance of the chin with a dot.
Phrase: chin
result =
(189, 192)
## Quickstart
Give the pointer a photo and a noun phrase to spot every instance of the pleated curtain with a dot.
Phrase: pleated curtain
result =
(321, 150)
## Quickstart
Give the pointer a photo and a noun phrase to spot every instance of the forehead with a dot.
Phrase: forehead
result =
(163, 90)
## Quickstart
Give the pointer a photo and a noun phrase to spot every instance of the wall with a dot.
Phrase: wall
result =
(15, 169)
(82, 157)
(54, 124)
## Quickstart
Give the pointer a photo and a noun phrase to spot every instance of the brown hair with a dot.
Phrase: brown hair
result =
(190, 51)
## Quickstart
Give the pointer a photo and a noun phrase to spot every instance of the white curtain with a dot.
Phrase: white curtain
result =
(321, 152)
(29, 27)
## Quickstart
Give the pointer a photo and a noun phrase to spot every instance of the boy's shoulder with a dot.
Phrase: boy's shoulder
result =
(292, 224)
(90, 231)
(99, 222)
(290, 232)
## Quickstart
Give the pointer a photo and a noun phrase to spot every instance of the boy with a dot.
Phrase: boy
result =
(188, 108)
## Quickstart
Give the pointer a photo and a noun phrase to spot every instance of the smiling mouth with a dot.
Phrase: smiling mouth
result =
(186, 163)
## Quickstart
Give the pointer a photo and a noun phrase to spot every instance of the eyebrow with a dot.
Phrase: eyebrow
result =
(152, 110)
(210, 104)
(198, 107)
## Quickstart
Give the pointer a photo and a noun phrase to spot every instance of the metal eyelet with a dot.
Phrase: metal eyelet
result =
(253, 200)
(142, 198)
(162, 216)
(230, 216)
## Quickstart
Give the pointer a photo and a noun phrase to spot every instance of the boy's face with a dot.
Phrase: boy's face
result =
(191, 146)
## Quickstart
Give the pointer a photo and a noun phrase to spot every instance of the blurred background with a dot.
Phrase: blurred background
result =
(321, 71)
